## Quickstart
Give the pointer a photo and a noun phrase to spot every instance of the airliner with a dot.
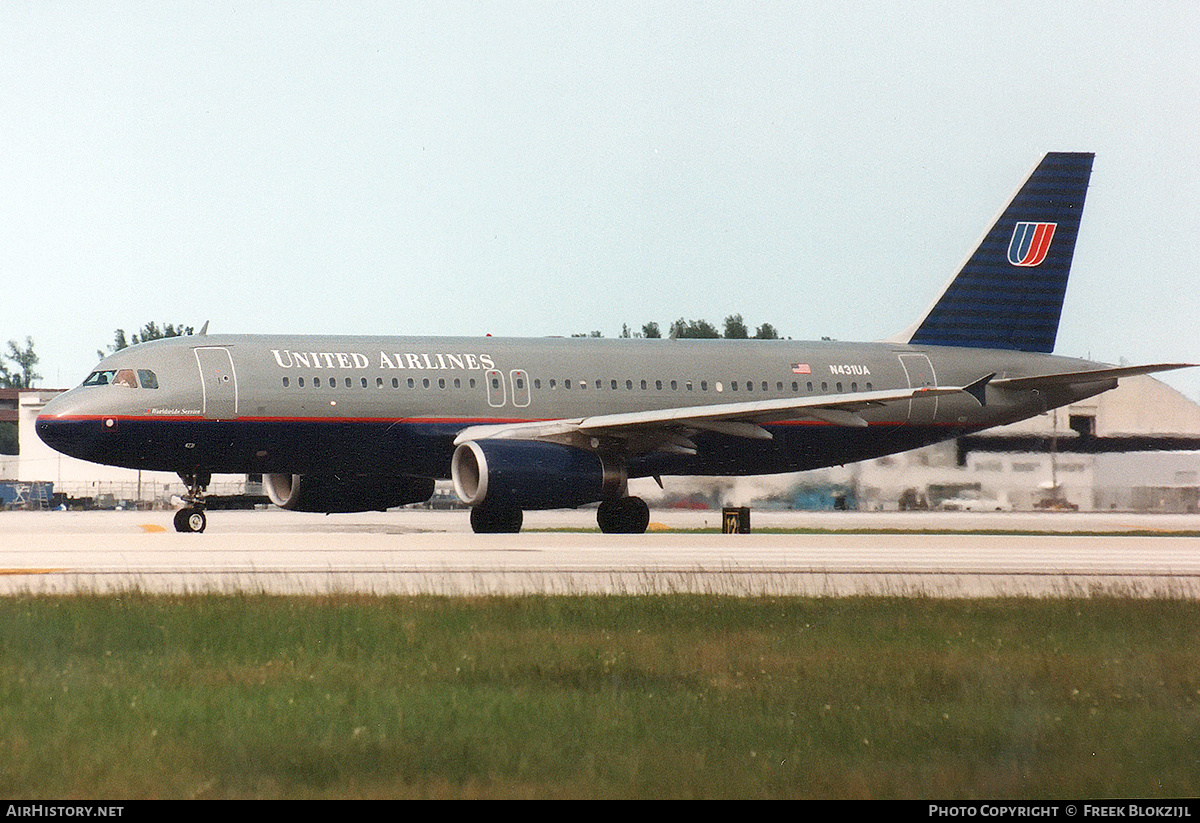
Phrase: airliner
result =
(346, 424)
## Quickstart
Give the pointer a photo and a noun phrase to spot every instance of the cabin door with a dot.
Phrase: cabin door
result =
(920, 375)
(219, 382)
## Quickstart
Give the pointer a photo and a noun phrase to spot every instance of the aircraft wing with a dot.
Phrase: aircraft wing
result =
(669, 429)
(1092, 376)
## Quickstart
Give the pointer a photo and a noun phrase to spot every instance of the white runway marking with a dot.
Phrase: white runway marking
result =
(409, 552)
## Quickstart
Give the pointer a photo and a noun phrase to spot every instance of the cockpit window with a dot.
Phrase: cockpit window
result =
(123, 377)
(99, 378)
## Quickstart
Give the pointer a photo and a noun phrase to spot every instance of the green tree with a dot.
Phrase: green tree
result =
(766, 332)
(735, 328)
(24, 359)
(694, 329)
(651, 330)
(150, 331)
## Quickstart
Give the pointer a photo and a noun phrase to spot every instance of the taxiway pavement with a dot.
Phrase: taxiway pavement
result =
(951, 554)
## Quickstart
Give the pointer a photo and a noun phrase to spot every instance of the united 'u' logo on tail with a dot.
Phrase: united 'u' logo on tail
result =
(1030, 242)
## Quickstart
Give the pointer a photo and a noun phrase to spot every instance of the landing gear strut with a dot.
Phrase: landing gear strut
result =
(628, 515)
(191, 518)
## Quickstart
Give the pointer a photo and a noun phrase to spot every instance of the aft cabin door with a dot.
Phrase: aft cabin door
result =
(920, 375)
(219, 382)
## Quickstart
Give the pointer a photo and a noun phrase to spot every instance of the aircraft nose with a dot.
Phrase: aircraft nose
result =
(63, 427)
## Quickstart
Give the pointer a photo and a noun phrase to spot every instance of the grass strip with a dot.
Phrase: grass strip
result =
(673, 696)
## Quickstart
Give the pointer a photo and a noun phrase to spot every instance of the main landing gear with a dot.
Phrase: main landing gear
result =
(496, 517)
(191, 518)
(627, 515)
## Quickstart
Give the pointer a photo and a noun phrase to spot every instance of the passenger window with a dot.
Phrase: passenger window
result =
(286, 382)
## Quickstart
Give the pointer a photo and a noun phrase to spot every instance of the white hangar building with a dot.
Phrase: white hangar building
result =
(1134, 448)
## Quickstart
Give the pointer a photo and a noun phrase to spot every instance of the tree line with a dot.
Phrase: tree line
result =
(735, 329)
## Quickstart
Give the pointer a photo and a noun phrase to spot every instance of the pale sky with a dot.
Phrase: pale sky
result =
(520, 168)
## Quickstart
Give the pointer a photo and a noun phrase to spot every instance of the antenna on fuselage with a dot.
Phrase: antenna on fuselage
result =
(204, 328)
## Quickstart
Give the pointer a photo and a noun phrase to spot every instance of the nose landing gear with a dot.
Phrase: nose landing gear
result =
(191, 518)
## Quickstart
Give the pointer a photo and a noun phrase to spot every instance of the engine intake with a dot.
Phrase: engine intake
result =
(533, 475)
(331, 494)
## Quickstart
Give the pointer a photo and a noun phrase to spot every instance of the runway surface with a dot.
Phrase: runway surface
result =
(417, 551)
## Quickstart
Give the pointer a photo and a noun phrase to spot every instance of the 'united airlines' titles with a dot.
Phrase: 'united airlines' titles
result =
(424, 361)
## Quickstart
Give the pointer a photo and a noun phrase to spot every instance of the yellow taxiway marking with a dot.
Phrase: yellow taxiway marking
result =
(152, 527)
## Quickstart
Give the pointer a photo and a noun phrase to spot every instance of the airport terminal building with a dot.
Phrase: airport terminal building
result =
(1135, 448)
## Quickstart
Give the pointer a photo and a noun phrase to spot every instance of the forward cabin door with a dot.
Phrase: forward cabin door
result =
(920, 375)
(219, 382)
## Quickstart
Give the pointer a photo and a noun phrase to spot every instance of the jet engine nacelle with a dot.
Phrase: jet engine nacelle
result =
(330, 494)
(533, 475)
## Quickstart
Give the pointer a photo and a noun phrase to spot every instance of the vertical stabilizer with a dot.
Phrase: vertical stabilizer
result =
(1009, 294)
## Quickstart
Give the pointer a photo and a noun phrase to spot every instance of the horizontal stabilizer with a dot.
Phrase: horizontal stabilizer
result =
(1078, 377)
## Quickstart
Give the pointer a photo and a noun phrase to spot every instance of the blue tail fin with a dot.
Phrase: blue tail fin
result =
(1009, 295)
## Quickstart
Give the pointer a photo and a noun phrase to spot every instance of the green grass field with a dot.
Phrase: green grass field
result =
(673, 696)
